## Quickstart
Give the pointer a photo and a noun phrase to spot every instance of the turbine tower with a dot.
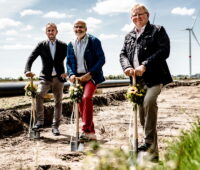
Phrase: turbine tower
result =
(191, 32)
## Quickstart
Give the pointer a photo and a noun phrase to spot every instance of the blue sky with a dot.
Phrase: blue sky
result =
(22, 24)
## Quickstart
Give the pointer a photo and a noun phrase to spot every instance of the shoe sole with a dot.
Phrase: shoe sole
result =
(86, 140)
(56, 134)
(37, 129)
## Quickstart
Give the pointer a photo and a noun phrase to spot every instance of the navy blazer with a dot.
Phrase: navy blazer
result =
(94, 60)
(43, 50)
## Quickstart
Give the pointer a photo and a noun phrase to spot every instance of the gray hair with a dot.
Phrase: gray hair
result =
(80, 21)
(140, 6)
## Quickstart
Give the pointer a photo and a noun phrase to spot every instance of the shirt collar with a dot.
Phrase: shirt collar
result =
(142, 30)
(52, 43)
(84, 40)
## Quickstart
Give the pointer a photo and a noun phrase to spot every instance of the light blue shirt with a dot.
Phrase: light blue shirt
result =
(80, 46)
(52, 46)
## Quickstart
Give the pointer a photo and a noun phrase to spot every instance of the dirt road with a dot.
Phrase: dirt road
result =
(179, 107)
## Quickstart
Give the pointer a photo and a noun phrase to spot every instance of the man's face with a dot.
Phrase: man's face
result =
(51, 32)
(80, 30)
(139, 17)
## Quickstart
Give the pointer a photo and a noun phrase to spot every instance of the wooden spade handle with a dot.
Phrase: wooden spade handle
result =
(133, 80)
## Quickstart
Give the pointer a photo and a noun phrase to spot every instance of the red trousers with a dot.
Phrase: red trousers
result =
(86, 108)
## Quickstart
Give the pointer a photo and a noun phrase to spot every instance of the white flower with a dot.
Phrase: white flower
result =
(29, 93)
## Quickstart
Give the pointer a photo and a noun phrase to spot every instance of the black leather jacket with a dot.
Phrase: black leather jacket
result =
(153, 50)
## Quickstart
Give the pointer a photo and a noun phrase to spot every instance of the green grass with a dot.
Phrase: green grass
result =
(184, 153)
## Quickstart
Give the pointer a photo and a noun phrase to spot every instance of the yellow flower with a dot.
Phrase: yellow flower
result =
(136, 94)
(30, 90)
(76, 92)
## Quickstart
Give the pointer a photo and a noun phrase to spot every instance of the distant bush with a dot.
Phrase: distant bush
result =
(7, 79)
(10, 79)
(116, 77)
(20, 78)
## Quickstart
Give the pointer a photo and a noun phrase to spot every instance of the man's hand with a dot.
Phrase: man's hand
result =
(86, 77)
(72, 78)
(63, 76)
(29, 74)
(139, 71)
(129, 72)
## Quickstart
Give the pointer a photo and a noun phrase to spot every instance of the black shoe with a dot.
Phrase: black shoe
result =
(55, 131)
(37, 126)
(144, 147)
(155, 159)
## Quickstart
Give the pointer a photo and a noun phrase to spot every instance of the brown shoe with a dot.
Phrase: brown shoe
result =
(88, 136)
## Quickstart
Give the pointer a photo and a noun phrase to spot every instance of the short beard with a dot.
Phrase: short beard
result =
(80, 35)
(52, 39)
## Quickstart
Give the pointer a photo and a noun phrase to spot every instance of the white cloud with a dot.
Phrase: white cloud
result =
(29, 36)
(92, 23)
(27, 28)
(30, 12)
(113, 6)
(73, 9)
(7, 22)
(183, 11)
(39, 38)
(107, 36)
(194, 17)
(11, 32)
(127, 27)
(56, 15)
(10, 39)
(10, 7)
(65, 27)
(16, 47)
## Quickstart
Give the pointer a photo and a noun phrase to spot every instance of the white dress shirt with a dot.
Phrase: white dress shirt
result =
(135, 58)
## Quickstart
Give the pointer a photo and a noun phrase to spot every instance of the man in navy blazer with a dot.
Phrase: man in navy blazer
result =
(85, 59)
(52, 75)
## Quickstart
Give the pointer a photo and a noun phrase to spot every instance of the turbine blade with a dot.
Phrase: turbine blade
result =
(184, 30)
(154, 17)
(195, 20)
(195, 38)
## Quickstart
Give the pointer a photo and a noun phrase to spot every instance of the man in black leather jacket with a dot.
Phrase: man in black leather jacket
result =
(144, 55)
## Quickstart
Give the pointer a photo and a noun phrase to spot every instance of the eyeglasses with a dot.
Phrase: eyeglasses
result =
(139, 15)
(76, 26)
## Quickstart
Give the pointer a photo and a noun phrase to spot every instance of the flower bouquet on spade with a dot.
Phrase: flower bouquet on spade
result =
(76, 92)
(30, 89)
(136, 93)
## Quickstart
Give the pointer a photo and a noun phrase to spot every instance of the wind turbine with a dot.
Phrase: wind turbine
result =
(191, 32)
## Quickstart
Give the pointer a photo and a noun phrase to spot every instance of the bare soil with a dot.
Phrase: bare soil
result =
(179, 107)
